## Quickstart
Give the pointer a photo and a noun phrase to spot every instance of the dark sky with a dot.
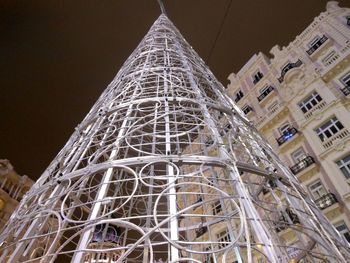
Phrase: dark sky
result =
(56, 57)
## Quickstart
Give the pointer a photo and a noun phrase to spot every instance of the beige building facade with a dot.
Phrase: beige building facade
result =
(12, 189)
(300, 101)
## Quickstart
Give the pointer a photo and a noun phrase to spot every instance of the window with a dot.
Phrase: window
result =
(217, 208)
(246, 109)
(284, 128)
(314, 41)
(310, 102)
(330, 128)
(330, 58)
(223, 239)
(257, 76)
(208, 258)
(346, 82)
(344, 230)
(298, 155)
(317, 189)
(348, 20)
(264, 89)
(273, 106)
(239, 95)
(346, 79)
(344, 166)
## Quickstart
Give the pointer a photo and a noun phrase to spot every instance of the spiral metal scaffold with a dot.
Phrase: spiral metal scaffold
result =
(166, 168)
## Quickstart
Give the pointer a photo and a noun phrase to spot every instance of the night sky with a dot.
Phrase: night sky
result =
(56, 57)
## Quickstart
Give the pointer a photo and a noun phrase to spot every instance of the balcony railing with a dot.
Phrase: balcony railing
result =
(288, 67)
(326, 201)
(271, 185)
(316, 45)
(316, 108)
(247, 109)
(265, 93)
(287, 135)
(201, 231)
(346, 90)
(329, 142)
(302, 164)
(283, 222)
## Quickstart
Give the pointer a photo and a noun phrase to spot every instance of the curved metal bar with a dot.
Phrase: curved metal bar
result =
(166, 168)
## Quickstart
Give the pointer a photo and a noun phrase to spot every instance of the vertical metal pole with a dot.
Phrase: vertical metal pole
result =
(174, 235)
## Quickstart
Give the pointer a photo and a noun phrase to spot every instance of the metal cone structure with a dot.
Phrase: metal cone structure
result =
(165, 168)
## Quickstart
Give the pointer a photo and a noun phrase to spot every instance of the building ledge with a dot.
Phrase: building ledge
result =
(318, 113)
(326, 201)
(289, 68)
(315, 110)
(323, 44)
(339, 146)
(332, 211)
(337, 142)
(308, 173)
(302, 165)
(265, 97)
(273, 115)
(294, 140)
(346, 90)
(340, 61)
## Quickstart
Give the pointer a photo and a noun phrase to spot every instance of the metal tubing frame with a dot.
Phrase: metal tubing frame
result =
(163, 134)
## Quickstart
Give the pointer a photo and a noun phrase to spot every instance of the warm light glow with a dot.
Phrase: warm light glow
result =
(2, 204)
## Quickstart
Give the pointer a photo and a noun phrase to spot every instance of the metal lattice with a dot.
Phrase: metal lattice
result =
(165, 168)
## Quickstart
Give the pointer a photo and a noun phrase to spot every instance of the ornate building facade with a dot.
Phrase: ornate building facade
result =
(12, 188)
(166, 168)
(299, 100)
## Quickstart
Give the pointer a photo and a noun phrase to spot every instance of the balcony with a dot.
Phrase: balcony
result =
(302, 165)
(201, 231)
(346, 90)
(326, 201)
(237, 99)
(247, 109)
(283, 221)
(265, 93)
(316, 45)
(257, 77)
(271, 185)
(287, 135)
(338, 137)
(239, 96)
(288, 67)
(316, 108)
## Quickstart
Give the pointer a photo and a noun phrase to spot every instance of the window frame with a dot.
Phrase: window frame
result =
(245, 108)
(314, 41)
(265, 88)
(284, 127)
(329, 128)
(344, 164)
(310, 101)
(208, 257)
(223, 236)
(316, 192)
(217, 208)
(345, 79)
(346, 232)
(298, 155)
(239, 95)
(257, 76)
